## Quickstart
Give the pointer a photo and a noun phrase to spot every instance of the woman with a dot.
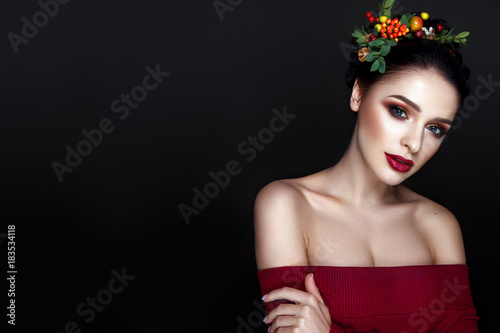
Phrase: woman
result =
(384, 258)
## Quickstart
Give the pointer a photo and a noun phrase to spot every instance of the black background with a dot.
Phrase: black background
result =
(119, 207)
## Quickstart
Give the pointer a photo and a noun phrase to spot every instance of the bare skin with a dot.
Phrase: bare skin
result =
(356, 213)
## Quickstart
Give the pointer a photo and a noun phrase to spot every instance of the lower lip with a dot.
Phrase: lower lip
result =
(397, 165)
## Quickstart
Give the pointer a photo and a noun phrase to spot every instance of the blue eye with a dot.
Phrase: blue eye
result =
(436, 130)
(398, 111)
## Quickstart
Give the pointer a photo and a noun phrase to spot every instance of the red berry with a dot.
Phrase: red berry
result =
(371, 19)
(368, 14)
(377, 19)
(419, 34)
(371, 38)
(439, 27)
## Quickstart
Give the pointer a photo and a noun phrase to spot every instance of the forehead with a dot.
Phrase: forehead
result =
(428, 89)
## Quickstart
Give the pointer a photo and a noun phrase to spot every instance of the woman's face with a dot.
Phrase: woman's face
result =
(402, 121)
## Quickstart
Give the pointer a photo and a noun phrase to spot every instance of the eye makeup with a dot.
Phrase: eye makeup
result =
(402, 113)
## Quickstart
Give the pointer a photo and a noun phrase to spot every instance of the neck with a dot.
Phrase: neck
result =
(353, 180)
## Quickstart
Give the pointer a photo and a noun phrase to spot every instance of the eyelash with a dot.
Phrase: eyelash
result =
(395, 109)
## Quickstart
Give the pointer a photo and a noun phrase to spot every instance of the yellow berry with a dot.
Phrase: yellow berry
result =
(424, 16)
(378, 27)
(383, 18)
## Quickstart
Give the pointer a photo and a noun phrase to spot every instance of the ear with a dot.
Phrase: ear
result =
(356, 96)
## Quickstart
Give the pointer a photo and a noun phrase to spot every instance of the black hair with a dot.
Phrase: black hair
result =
(411, 54)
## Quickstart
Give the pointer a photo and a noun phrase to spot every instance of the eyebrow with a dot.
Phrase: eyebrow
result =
(418, 109)
(407, 101)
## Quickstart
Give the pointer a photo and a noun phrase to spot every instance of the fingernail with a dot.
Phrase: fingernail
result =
(265, 318)
(264, 297)
(269, 328)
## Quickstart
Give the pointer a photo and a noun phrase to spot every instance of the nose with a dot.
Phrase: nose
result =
(413, 140)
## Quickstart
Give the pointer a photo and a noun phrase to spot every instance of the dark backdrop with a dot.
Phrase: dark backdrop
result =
(117, 211)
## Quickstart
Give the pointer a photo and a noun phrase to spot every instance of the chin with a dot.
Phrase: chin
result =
(393, 178)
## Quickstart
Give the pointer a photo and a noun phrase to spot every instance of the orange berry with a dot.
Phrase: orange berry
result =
(384, 25)
(382, 30)
(397, 40)
(388, 21)
(400, 34)
(396, 29)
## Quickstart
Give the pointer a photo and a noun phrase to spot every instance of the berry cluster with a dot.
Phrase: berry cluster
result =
(388, 28)
(393, 29)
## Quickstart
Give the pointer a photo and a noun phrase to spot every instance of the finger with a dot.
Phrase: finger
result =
(283, 330)
(291, 294)
(283, 322)
(312, 288)
(282, 310)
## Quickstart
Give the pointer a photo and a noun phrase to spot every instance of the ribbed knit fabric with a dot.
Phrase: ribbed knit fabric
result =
(401, 299)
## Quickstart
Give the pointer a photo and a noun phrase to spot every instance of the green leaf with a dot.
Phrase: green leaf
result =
(357, 34)
(375, 66)
(381, 9)
(372, 56)
(405, 20)
(463, 34)
(393, 42)
(385, 50)
(387, 12)
(389, 4)
(381, 67)
(448, 33)
(376, 42)
(361, 40)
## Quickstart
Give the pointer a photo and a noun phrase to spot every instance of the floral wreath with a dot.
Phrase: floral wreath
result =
(386, 33)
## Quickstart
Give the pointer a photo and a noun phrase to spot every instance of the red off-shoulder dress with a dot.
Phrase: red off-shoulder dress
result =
(400, 299)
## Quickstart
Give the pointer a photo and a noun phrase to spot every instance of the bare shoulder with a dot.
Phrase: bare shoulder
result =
(440, 228)
(279, 238)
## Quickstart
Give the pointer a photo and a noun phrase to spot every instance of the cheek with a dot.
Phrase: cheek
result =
(375, 126)
(429, 147)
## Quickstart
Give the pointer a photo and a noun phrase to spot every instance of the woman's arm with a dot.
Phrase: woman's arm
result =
(279, 238)
(279, 213)
(447, 247)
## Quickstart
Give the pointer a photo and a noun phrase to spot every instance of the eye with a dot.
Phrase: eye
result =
(438, 131)
(398, 111)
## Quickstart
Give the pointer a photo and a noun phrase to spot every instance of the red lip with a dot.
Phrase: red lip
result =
(399, 163)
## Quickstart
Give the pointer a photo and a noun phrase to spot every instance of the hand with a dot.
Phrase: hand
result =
(309, 314)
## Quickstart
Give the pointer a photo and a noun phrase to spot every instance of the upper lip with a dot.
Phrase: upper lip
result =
(401, 159)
